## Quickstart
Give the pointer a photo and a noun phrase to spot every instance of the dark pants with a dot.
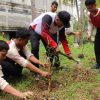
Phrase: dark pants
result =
(35, 41)
(10, 68)
(97, 46)
(12, 34)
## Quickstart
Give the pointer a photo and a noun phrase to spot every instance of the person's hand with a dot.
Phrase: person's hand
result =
(46, 74)
(77, 34)
(47, 65)
(69, 56)
(56, 50)
(26, 95)
(88, 37)
(42, 64)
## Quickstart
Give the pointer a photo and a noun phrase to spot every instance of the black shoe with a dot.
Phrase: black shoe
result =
(96, 66)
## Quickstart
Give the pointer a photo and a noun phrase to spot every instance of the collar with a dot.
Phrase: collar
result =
(13, 42)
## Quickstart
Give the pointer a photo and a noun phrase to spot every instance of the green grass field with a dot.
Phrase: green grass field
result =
(70, 83)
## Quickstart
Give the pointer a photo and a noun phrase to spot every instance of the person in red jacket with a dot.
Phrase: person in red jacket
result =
(94, 21)
(44, 27)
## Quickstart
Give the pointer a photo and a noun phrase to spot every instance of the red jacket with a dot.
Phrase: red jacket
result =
(45, 26)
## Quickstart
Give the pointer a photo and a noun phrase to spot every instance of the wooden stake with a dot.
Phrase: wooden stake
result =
(49, 80)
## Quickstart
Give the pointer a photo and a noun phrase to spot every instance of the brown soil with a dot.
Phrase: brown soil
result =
(41, 90)
(80, 95)
(96, 93)
(43, 85)
(78, 74)
(42, 96)
(82, 74)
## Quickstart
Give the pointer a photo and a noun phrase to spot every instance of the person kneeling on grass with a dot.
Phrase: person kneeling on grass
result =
(4, 85)
(19, 57)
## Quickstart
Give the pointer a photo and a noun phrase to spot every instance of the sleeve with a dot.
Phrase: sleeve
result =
(27, 52)
(68, 31)
(62, 38)
(3, 83)
(46, 21)
(15, 56)
(90, 25)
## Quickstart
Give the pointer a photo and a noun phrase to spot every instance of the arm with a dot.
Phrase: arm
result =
(64, 41)
(90, 28)
(13, 91)
(14, 55)
(30, 56)
(31, 67)
(9, 89)
(69, 32)
(4, 86)
(35, 60)
(46, 21)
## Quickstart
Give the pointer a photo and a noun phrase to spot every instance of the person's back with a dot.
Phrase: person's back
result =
(37, 23)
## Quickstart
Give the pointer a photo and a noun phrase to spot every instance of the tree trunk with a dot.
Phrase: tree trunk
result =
(80, 14)
(33, 9)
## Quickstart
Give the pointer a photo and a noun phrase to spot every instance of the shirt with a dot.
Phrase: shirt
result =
(94, 21)
(15, 56)
(45, 26)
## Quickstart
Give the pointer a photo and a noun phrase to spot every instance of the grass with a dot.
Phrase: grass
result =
(68, 88)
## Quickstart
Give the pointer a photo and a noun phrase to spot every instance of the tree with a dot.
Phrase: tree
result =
(33, 9)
